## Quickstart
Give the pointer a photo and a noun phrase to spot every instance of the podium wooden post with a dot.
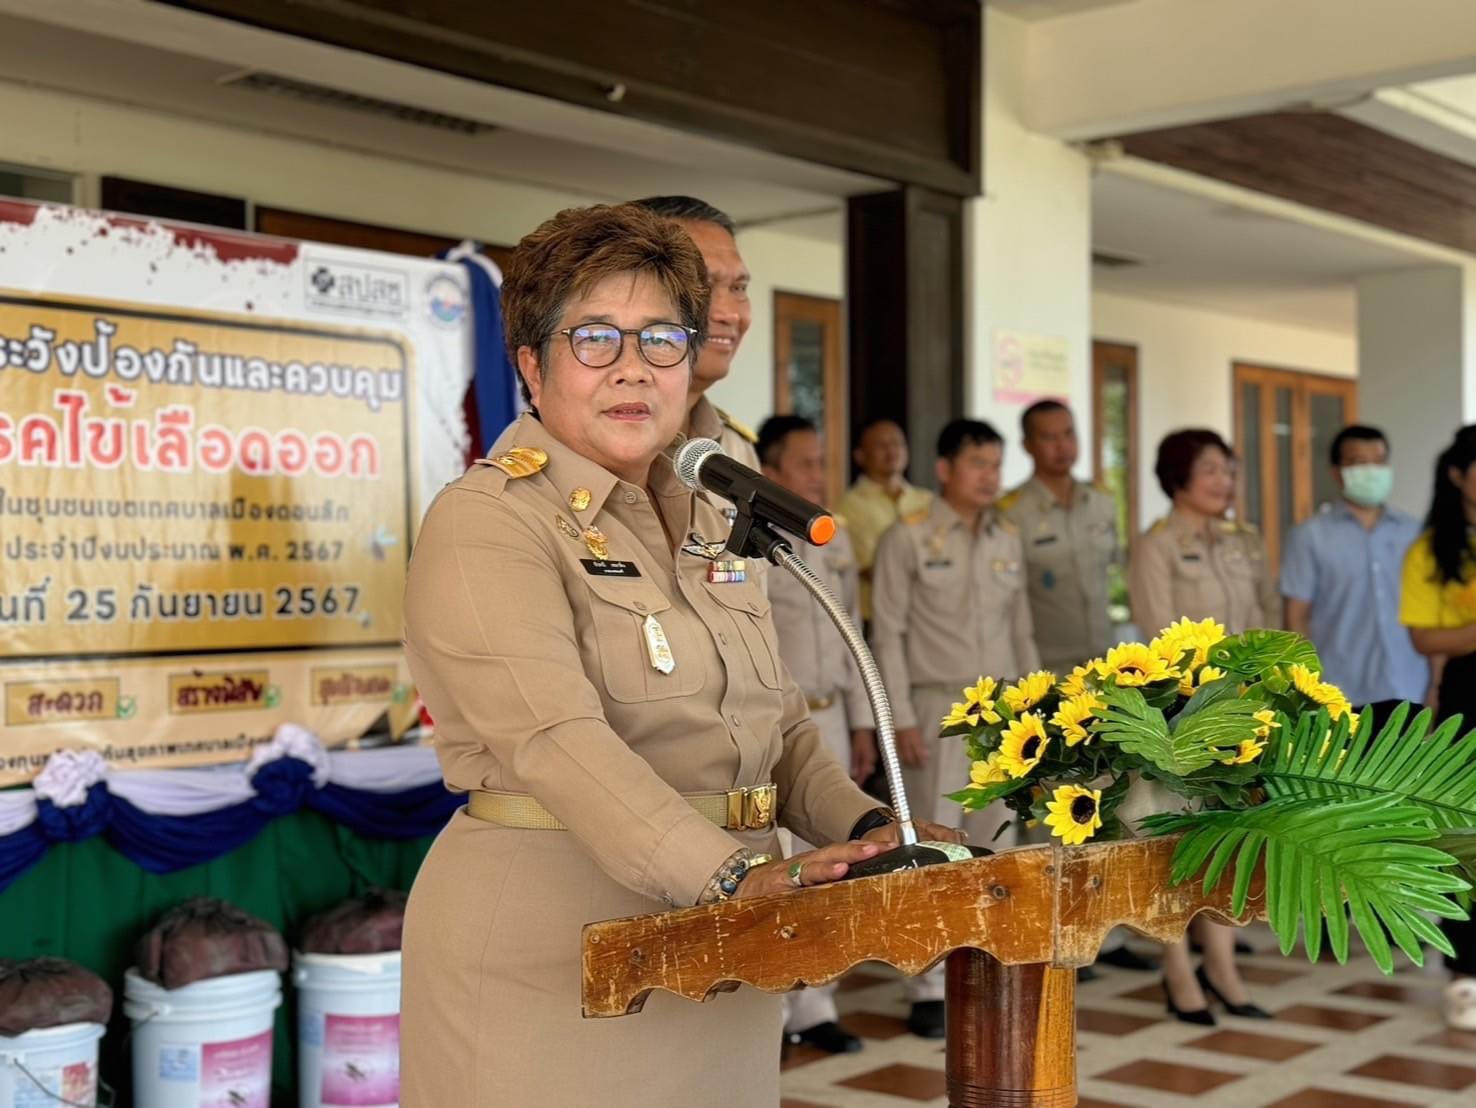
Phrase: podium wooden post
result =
(1014, 927)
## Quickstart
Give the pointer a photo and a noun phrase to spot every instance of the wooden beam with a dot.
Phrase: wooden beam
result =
(883, 87)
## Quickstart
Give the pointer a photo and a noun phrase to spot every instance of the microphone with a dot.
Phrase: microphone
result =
(702, 465)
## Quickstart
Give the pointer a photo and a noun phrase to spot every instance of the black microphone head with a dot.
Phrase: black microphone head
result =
(689, 458)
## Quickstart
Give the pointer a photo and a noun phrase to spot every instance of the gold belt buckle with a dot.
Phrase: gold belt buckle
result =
(751, 809)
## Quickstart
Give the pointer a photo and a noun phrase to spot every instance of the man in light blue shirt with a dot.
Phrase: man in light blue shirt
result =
(1340, 578)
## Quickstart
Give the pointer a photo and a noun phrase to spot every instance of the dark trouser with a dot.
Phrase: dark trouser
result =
(1458, 697)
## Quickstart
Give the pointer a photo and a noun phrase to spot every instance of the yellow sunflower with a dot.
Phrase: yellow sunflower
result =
(981, 697)
(1267, 720)
(987, 772)
(1192, 681)
(1023, 745)
(1314, 688)
(1074, 714)
(959, 714)
(1178, 638)
(1248, 751)
(1134, 664)
(1029, 691)
(1074, 814)
(1076, 685)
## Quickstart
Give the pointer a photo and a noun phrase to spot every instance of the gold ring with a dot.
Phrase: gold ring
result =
(795, 870)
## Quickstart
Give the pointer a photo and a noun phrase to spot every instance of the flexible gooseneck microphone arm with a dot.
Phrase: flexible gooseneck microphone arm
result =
(755, 537)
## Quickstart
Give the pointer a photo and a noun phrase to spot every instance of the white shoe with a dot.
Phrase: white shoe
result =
(1460, 1004)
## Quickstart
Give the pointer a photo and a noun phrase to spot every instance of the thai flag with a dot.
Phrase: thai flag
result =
(493, 401)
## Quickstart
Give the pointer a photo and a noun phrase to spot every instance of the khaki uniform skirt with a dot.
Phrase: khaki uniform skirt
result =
(492, 981)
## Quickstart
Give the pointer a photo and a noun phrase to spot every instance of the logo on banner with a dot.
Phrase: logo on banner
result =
(445, 299)
(357, 289)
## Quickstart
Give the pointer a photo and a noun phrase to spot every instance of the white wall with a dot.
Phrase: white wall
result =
(1184, 368)
(787, 263)
(1028, 247)
(93, 138)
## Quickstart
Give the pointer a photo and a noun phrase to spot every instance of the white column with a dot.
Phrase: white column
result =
(1417, 367)
(1028, 255)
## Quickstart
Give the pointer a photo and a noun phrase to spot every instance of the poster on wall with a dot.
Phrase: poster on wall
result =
(214, 452)
(1028, 368)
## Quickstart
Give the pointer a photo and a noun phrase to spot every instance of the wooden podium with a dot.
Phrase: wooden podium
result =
(1014, 928)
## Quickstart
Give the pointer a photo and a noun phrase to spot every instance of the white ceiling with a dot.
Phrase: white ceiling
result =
(1202, 252)
(610, 159)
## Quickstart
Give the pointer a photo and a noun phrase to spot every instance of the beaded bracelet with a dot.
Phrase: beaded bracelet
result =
(724, 883)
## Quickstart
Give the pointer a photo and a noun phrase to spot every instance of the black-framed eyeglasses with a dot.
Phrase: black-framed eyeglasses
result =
(598, 345)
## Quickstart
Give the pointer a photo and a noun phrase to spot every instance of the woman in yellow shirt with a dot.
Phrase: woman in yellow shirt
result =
(1438, 604)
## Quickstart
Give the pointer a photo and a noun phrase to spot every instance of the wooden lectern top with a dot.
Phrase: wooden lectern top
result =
(1049, 905)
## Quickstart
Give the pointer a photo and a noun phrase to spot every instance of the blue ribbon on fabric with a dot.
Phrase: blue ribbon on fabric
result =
(163, 844)
(494, 378)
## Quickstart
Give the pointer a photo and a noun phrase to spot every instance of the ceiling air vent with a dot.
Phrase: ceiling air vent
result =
(1103, 260)
(310, 93)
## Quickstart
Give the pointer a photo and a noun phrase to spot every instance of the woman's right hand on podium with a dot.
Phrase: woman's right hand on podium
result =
(814, 867)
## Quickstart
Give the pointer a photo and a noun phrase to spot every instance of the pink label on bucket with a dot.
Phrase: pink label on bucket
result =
(79, 1083)
(237, 1074)
(361, 1060)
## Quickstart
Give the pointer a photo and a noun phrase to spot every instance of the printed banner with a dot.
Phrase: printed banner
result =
(205, 514)
(1028, 368)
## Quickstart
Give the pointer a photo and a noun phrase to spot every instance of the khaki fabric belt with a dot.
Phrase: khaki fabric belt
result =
(820, 703)
(735, 810)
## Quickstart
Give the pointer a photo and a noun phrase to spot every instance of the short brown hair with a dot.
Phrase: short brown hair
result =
(1177, 454)
(580, 247)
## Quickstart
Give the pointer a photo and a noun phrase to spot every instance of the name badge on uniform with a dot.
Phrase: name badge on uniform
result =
(604, 567)
(727, 571)
(938, 563)
(1188, 556)
(657, 646)
(1045, 540)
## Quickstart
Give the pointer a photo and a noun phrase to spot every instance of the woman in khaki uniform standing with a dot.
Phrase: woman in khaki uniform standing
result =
(610, 696)
(1195, 564)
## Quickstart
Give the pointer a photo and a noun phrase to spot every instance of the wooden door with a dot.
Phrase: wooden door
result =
(809, 375)
(1115, 450)
(1285, 422)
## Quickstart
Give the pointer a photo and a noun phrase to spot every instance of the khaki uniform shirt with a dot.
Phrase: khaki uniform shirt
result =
(1068, 551)
(710, 422)
(1178, 573)
(869, 511)
(809, 643)
(950, 606)
(534, 656)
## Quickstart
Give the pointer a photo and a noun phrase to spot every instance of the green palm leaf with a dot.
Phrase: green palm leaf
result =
(1200, 740)
(1258, 653)
(1325, 857)
(1320, 759)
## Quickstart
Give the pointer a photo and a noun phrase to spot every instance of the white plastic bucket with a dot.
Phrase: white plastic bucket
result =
(348, 1029)
(206, 1045)
(62, 1059)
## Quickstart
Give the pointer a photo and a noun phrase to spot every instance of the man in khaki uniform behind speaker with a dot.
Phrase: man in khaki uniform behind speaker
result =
(728, 317)
(1069, 533)
(817, 658)
(948, 606)
(880, 496)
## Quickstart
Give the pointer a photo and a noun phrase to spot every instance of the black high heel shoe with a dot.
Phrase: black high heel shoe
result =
(1244, 1011)
(1201, 1016)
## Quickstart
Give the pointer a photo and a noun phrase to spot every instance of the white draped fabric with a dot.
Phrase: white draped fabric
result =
(188, 792)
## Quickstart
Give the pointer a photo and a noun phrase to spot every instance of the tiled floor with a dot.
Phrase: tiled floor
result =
(1345, 1037)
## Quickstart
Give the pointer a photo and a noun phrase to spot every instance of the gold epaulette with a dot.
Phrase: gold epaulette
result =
(912, 519)
(732, 424)
(518, 461)
(1158, 525)
(1009, 499)
(1237, 527)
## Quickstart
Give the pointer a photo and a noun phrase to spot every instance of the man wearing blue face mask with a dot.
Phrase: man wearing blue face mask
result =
(1340, 577)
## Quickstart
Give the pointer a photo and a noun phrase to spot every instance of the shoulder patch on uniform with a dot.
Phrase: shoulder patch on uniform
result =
(912, 519)
(743, 431)
(1236, 527)
(519, 461)
(1009, 500)
(1158, 526)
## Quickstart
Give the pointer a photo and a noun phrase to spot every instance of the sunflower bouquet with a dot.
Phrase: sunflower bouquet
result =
(1268, 763)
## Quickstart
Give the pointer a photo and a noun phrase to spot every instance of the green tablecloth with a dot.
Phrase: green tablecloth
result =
(86, 902)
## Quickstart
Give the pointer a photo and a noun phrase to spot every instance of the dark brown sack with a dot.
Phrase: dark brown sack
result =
(370, 924)
(204, 938)
(48, 992)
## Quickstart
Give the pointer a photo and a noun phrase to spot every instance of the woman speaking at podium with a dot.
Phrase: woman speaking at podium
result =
(607, 691)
